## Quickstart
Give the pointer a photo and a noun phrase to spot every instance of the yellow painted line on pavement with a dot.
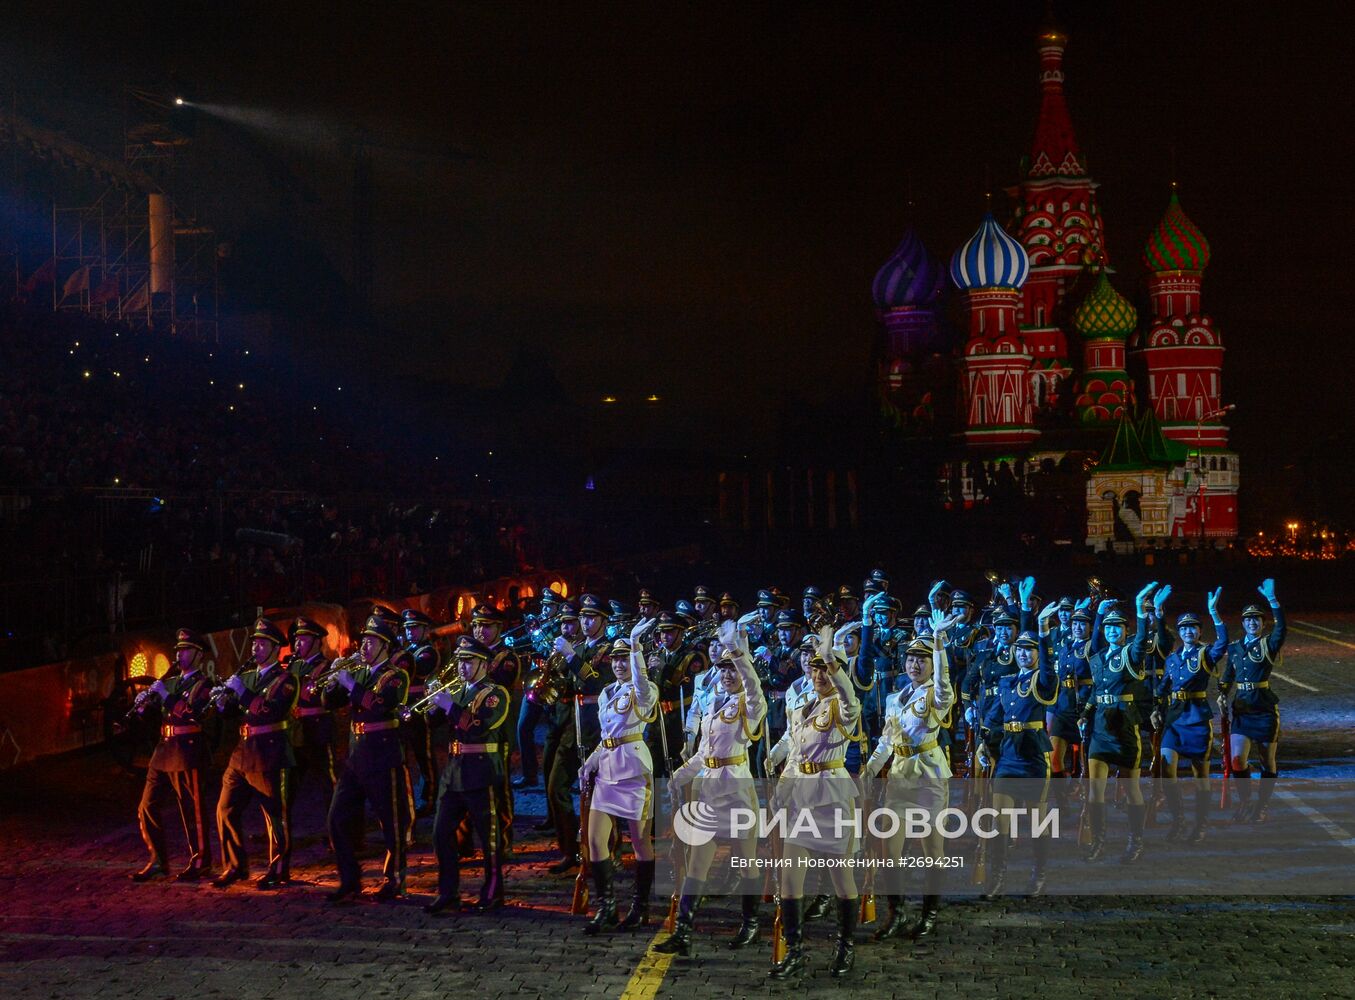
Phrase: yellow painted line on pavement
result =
(1321, 628)
(1324, 638)
(648, 977)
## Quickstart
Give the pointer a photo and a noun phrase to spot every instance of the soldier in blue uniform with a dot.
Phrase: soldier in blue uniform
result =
(1075, 683)
(1255, 711)
(530, 713)
(423, 663)
(313, 733)
(989, 661)
(505, 670)
(882, 642)
(1022, 770)
(762, 630)
(1154, 662)
(375, 771)
(178, 766)
(264, 697)
(1184, 717)
(477, 711)
(1112, 719)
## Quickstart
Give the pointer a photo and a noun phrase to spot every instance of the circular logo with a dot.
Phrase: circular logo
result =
(694, 823)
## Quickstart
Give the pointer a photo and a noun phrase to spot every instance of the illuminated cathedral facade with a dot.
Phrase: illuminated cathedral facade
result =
(1053, 370)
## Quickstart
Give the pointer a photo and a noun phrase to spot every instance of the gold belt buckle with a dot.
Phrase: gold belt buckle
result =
(712, 762)
(456, 748)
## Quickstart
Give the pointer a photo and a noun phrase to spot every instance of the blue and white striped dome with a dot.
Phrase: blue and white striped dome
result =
(990, 259)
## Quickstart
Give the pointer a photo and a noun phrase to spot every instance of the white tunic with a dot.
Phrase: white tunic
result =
(914, 718)
(798, 695)
(729, 726)
(703, 690)
(624, 770)
(827, 728)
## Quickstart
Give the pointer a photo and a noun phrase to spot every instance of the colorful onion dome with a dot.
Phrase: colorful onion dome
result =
(910, 277)
(1176, 244)
(1105, 312)
(990, 259)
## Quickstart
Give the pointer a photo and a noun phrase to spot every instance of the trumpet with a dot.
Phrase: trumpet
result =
(425, 704)
(331, 673)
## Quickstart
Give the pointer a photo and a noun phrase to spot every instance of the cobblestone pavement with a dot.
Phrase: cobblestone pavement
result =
(73, 926)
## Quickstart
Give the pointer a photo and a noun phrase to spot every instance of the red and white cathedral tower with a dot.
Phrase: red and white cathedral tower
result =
(990, 268)
(1058, 223)
(1182, 351)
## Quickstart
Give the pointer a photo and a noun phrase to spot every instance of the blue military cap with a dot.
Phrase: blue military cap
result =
(1189, 618)
(1004, 618)
(1116, 617)
(702, 593)
(766, 599)
(568, 612)
(788, 619)
(1027, 640)
(1253, 611)
(960, 599)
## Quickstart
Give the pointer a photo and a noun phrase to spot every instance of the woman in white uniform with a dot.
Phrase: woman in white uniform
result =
(621, 772)
(781, 757)
(918, 773)
(820, 804)
(721, 782)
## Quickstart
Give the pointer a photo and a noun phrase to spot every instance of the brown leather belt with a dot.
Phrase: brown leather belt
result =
(611, 743)
(168, 731)
(586, 699)
(247, 731)
(310, 712)
(363, 728)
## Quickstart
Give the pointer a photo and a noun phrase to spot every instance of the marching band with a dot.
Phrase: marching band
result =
(826, 709)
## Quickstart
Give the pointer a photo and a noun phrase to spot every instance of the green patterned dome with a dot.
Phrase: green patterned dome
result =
(1105, 312)
(1176, 244)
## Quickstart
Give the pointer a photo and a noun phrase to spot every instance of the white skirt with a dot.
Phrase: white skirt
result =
(625, 798)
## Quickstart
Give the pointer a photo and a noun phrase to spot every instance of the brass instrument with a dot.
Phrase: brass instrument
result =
(435, 686)
(331, 673)
(822, 612)
(548, 686)
(702, 631)
(1098, 590)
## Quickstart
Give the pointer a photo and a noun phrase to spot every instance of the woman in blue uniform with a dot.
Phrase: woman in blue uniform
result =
(1022, 771)
(1255, 709)
(1183, 715)
(1071, 648)
(1112, 718)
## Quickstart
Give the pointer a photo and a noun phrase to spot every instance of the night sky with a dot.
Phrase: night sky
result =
(693, 199)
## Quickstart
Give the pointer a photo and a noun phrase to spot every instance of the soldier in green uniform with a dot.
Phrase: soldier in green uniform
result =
(375, 771)
(264, 697)
(313, 734)
(477, 711)
(178, 766)
(504, 669)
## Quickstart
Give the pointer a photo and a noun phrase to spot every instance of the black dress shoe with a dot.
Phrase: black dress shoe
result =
(153, 869)
(444, 904)
(273, 880)
(191, 874)
(565, 864)
(388, 892)
(523, 783)
(344, 894)
(486, 905)
(229, 877)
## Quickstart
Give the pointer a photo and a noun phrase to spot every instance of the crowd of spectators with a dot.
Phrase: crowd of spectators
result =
(145, 476)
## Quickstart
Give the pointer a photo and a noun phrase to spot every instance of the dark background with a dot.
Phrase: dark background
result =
(691, 199)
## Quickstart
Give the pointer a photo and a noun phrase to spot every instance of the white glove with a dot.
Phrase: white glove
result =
(1156, 718)
(982, 755)
(563, 645)
(236, 684)
(346, 678)
(158, 689)
(971, 716)
(443, 700)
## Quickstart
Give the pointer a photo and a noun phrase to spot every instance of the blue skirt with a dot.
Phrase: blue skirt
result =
(1190, 734)
(1259, 727)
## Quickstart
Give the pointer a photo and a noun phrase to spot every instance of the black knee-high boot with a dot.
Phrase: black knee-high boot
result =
(997, 868)
(793, 926)
(1039, 848)
(1174, 802)
(894, 922)
(605, 915)
(1097, 850)
(931, 905)
(638, 914)
(680, 941)
(1202, 798)
(1134, 845)
(845, 956)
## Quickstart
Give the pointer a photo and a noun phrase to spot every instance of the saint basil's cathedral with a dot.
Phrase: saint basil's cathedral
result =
(1136, 412)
